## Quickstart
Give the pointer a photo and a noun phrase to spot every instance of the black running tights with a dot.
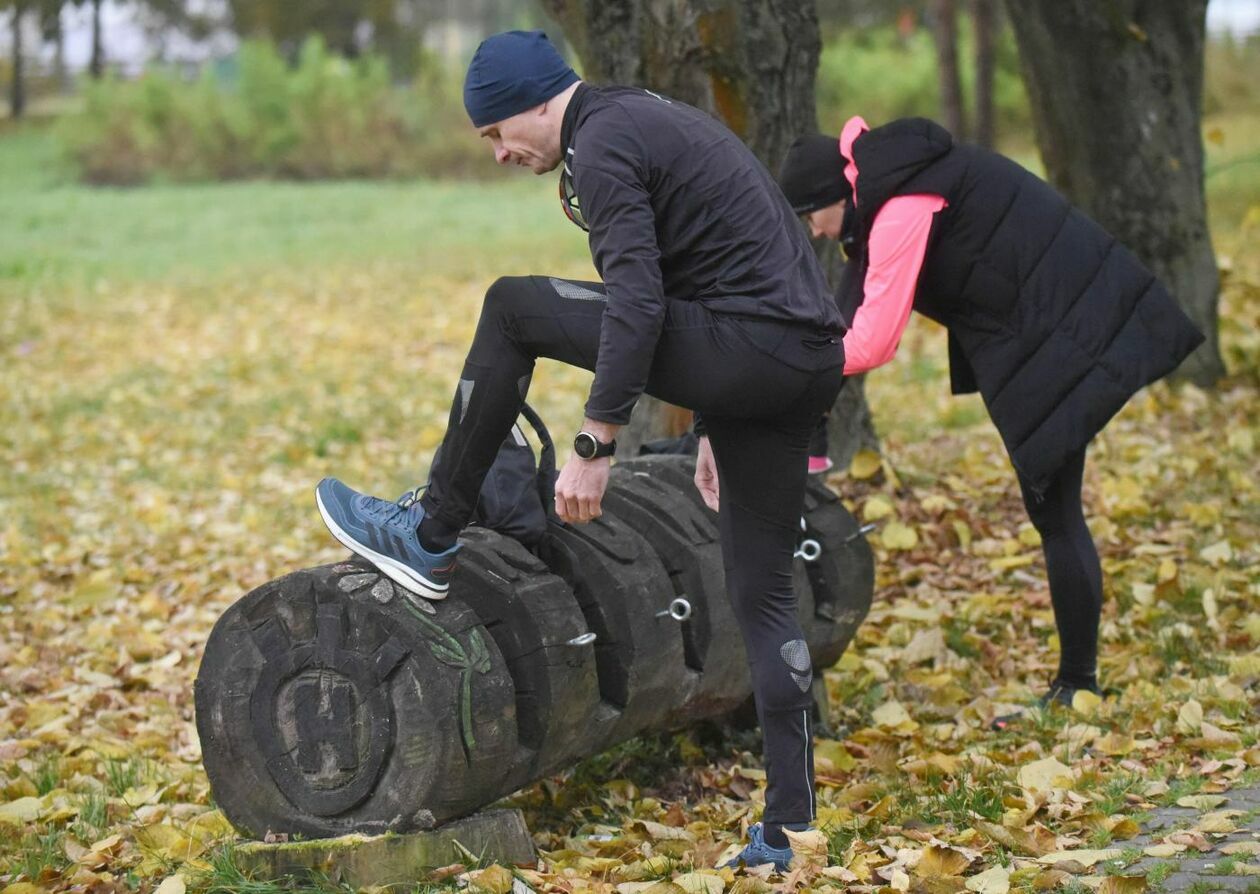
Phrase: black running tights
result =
(759, 411)
(1073, 570)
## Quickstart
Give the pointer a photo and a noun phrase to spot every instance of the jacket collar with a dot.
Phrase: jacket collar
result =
(568, 125)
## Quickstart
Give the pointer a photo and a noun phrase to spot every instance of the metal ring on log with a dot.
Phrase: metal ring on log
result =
(617, 580)
(686, 540)
(839, 583)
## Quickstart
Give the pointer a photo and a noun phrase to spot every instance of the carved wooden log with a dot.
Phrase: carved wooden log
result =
(331, 701)
(620, 584)
(328, 703)
(835, 588)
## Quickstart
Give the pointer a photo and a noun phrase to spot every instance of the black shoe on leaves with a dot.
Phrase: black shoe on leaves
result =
(1060, 693)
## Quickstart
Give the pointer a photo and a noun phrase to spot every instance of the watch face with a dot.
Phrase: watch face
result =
(584, 445)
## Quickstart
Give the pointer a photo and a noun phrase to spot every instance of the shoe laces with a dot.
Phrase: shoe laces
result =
(398, 512)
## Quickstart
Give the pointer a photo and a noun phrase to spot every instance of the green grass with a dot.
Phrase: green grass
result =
(225, 877)
(121, 775)
(47, 774)
(1159, 872)
(1232, 174)
(38, 853)
(56, 232)
(93, 816)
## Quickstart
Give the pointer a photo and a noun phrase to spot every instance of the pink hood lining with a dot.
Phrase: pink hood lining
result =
(853, 128)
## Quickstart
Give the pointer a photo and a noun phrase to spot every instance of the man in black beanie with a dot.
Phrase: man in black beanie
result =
(1052, 320)
(711, 299)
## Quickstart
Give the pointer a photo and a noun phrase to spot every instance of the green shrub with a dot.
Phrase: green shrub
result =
(875, 73)
(326, 117)
(1232, 75)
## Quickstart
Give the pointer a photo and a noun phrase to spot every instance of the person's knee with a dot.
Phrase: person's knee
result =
(503, 294)
(1057, 519)
(783, 676)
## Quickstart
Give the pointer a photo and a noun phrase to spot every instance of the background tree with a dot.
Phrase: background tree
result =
(51, 30)
(393, 28)
(17, 82)
(945, 34)
(984, 28)
(96, 67)
(750, 63)
(1116, 89)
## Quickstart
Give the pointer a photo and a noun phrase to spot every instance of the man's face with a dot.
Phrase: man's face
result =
(826, 221)
(530, 139)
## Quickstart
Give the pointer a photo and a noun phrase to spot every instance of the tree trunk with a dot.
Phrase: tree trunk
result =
(750, 63)
(17, 86)
(1116, 89)
(59, 57)
(945, 33)
(97, 65)
(983, 24)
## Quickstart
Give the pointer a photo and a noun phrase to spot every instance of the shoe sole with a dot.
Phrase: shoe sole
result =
(405, 577)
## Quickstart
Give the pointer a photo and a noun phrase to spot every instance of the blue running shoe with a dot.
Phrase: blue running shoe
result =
(385, 534)
(757, 852)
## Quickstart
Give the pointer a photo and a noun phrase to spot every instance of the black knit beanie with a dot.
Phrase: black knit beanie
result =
(812, 174)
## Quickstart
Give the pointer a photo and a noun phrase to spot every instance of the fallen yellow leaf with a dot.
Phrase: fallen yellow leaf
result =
(1190, 717)
(992, 881)
(1123, 884)
(1085, 702)
(1084, 857)
(898, 536)
(1045, 775)
(865, 464)
(941, 861)
(876, 508)
(700, 883)
(21, 811)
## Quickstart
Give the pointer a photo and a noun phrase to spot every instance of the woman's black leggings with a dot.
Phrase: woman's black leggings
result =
(761, 387)
(1073, 570)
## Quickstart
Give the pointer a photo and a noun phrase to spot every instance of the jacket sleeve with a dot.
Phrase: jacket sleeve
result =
(610, 173)
(896, 250)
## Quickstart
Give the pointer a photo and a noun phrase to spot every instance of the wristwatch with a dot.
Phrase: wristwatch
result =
(587, 446)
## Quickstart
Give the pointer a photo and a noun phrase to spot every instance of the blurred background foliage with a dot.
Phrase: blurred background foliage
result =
(371, 88)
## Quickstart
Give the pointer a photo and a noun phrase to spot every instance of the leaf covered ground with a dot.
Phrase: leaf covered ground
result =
(162, 435)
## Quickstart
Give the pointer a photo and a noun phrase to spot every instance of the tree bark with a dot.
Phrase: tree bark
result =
(945, 34)
(751, 64)
(97, 66)
(59, 56)
(17, 86)
(1116, 89)
(983, 24)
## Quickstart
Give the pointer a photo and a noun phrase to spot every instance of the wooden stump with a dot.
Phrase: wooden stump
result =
(360, 861)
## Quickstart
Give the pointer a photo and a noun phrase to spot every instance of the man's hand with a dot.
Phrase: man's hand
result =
(706, 475)
(580, 489)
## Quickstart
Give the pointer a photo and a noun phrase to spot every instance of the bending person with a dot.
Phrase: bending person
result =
(1052, 320)
(711, 299)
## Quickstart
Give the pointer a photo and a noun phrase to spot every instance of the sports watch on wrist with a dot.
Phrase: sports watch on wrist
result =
(587, 446)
